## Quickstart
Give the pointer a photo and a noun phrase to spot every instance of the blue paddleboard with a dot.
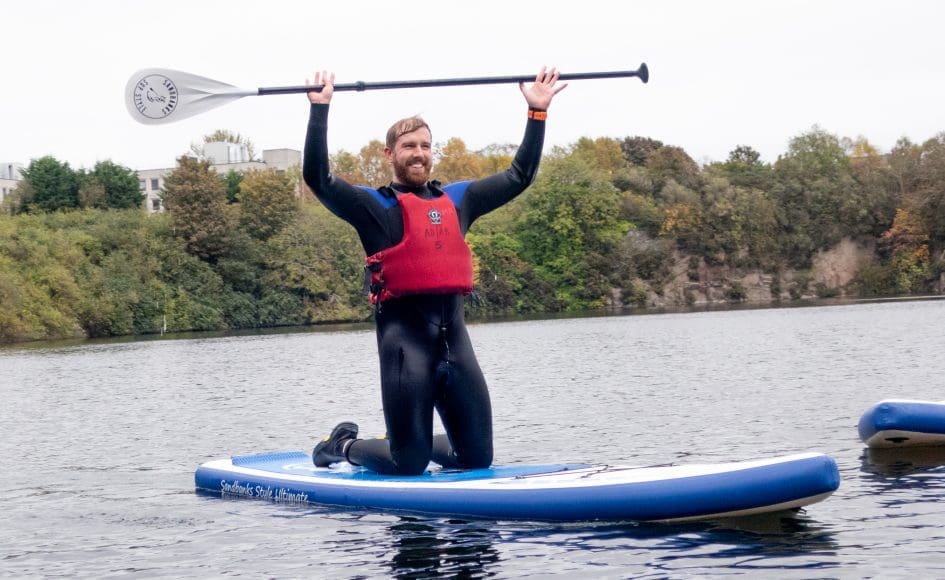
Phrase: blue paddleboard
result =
(535, 492)
(903, 423)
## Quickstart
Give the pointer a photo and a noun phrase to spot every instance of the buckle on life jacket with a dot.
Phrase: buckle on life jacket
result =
(372, 281)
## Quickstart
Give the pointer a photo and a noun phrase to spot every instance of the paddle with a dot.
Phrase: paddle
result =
(157, 95)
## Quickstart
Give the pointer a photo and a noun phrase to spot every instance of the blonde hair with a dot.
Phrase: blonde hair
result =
(404, 126)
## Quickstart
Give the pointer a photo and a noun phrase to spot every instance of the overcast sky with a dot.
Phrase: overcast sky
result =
(723, 73)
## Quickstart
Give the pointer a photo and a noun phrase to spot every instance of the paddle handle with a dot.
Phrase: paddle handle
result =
(642, 73)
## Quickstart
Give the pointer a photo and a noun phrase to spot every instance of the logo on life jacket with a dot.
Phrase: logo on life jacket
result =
(435, 216)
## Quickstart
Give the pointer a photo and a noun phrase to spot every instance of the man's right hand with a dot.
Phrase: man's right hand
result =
(326, 81)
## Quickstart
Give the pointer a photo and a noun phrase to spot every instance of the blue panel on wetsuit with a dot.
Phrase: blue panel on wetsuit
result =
(456, 191)
(387, 202)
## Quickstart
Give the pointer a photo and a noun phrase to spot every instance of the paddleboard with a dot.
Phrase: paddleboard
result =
(903, 423)
(534, 492)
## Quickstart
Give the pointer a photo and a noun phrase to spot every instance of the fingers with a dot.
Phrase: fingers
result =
(322, 78)
(540, 93)
(547, 81)
(547, 76)
(322, 85)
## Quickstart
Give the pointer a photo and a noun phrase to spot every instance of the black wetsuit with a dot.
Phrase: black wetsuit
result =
(426, 358)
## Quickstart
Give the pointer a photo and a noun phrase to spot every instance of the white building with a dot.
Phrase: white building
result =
(10, 176)
(223, 157)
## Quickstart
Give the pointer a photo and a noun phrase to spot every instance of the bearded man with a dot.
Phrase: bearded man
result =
(420, 268)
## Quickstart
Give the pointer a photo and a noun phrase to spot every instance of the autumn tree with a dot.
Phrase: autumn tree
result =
(870, 206)
(745, 168)
(497, 157)
(738, 223)
(603, 153)
(373, 164)
(267, 203)
(196, 199)
(904, 161)
(930, 187)
(571, 231)
(368, 167)
(906, 246)
(346, 165)
(812, 181)
(673, 163)
(454, 162)
(637, 150)
(91, 193)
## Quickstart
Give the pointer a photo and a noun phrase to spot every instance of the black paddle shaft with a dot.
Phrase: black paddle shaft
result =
(643, 73)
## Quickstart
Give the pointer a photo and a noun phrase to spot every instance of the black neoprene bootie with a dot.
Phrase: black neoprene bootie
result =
(332, 448)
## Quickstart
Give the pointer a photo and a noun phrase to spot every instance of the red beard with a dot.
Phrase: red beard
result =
(409, 175)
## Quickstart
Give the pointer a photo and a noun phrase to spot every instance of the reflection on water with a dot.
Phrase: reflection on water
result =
(457, 549)
(903, 461)
(429, 548)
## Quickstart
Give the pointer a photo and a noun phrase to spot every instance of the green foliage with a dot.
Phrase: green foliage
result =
(929, 193)
(320, 262)
(873, 280)
(740, 224)
(50, 185)
(744, 168)
(507, 283)
(35, 285)
(814, 182)
(643, 257)
(106, 273)
(736, 292)
(670, 163)
(114, 186)
(605, 219)
(637, 150)
(267, 203)
(642, 212)
(53, 186)
(570, 228)
(232, 181)
(196, 201)
(604, 154)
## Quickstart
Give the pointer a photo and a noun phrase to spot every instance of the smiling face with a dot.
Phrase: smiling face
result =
(412, 157)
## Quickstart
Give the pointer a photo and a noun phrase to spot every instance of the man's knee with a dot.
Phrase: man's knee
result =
(478, 458)
(412, 460)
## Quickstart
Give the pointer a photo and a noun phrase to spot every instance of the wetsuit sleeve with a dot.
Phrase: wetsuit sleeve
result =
(355, 205)
(336, 194)
(489, 193)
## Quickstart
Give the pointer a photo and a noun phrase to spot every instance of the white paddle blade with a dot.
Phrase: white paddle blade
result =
(159, 95)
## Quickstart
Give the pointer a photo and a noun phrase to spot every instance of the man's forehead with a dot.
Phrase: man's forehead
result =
(420, 134)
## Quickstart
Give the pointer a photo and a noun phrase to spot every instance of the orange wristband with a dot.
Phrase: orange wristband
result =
(537, 115)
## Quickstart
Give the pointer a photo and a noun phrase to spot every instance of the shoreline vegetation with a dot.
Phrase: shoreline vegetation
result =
(368, 326)
(611, 226)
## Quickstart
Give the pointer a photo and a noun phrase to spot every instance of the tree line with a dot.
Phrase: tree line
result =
(605, 225)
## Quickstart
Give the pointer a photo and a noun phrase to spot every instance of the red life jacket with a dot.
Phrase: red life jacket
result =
(432, 257)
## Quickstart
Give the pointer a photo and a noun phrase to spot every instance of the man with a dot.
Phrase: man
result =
(413, 235)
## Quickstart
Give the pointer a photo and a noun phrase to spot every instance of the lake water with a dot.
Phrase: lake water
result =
(100, 441)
